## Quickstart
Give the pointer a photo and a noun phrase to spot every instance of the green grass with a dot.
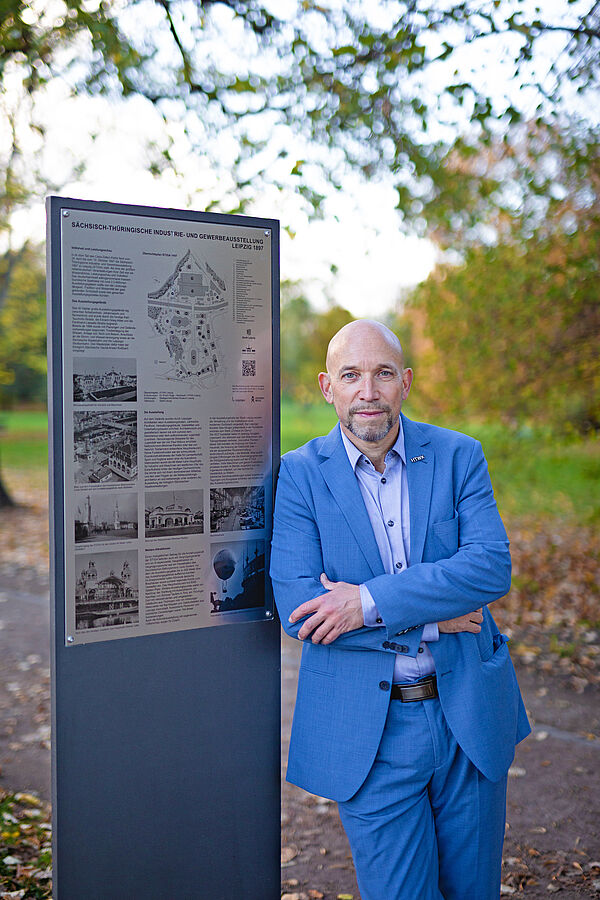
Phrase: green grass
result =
(301, 423)
(539, 473)
(24, 439)
(25, 420)
(534, 472)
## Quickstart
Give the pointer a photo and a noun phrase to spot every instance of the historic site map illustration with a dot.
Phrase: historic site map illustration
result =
(183, 311)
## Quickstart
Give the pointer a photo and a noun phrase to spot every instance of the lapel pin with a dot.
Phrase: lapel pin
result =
(417, 458)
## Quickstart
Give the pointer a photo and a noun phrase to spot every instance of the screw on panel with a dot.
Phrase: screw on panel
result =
(70, 639)
(267, 233)
(66, 213)
(269, 614)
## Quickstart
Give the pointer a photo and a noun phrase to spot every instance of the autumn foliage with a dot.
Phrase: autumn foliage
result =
(512, 332)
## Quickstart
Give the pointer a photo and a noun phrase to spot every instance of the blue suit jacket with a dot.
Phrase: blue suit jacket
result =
(459, 562)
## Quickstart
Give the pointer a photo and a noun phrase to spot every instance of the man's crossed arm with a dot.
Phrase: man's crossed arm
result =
(340, 610)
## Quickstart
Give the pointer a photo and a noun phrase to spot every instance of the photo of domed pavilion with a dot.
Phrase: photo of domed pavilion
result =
(106, 590)
(174, 513)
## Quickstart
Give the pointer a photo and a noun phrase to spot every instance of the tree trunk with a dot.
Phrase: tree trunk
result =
(5, 498)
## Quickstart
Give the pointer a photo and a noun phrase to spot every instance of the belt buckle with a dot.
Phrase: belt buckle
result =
(419, 690)
(430, 690)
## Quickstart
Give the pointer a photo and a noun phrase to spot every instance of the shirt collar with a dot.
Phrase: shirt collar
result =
(354, 454)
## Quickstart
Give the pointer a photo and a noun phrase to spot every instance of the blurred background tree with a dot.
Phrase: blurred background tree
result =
(305, 334)
(22, 304)
(511, 329)
(396, 88)
(480, 116)
(23, 327)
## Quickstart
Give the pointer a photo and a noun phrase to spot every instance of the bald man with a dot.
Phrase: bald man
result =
(387, 549)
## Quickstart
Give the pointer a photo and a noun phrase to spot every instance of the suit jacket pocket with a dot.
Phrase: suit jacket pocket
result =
(316, 658)
(444, 536)
(489, 643)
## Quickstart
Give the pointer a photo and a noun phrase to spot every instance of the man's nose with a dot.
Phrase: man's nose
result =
(369, 388)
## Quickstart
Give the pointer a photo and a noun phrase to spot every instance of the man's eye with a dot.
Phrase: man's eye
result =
(348, 376)
(386, 373)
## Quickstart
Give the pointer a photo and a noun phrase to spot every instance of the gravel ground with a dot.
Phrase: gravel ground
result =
(552, 840)
(553, 834)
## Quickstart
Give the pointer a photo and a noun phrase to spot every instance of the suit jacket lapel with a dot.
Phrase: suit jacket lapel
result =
(420, 461)
(342, 483)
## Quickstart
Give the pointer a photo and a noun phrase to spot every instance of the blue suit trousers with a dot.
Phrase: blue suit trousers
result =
(426, 823)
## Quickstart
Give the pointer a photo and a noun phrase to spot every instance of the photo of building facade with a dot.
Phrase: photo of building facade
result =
(106, 592)
(174, 513)
(104, 380)
(105, 446)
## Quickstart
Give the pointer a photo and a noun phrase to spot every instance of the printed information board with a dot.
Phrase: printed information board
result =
(164, 434)
(167, 387)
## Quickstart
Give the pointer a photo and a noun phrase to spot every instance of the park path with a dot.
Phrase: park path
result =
(553, 836)
(553, 814)
(24, 686)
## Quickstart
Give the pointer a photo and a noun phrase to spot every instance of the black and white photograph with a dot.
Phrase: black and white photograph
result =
(237, 508)
(105, 446)
(237, 576)
(104, 380)
(106, 589)
(174, 513)
(106, 516)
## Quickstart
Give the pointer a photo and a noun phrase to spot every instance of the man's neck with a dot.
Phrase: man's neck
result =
(375, 451)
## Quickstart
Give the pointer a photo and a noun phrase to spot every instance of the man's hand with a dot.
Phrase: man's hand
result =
(331, 614)
(470, 622)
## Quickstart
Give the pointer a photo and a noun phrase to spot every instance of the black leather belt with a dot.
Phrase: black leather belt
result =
(419, 690)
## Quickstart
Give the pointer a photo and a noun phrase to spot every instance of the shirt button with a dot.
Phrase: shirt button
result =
(390, 522)
(384, 685)
(420, 649)
(379, 620)
(398, 565)
(383, 480)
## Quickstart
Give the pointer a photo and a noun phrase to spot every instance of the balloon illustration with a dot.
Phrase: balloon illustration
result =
(224, 566)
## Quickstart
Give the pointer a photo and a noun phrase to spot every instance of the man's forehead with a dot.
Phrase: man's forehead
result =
(357, 353)
(361, 341)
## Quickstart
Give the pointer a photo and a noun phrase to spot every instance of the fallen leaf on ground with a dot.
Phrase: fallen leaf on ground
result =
(288, 853)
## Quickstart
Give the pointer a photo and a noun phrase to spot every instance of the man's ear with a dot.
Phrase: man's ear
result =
(325, 385)
(407, 377)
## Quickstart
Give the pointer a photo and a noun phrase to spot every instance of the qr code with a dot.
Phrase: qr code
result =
(249, 367)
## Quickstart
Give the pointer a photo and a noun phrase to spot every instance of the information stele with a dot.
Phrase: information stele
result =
(164, 427)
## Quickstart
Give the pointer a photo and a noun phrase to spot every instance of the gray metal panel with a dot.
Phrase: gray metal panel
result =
(166, 756)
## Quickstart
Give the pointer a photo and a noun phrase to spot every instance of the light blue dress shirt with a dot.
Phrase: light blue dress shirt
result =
(385, 495)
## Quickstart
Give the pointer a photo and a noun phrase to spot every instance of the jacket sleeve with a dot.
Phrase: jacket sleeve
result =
(297, 563)
(469, 570)
(473, 572)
